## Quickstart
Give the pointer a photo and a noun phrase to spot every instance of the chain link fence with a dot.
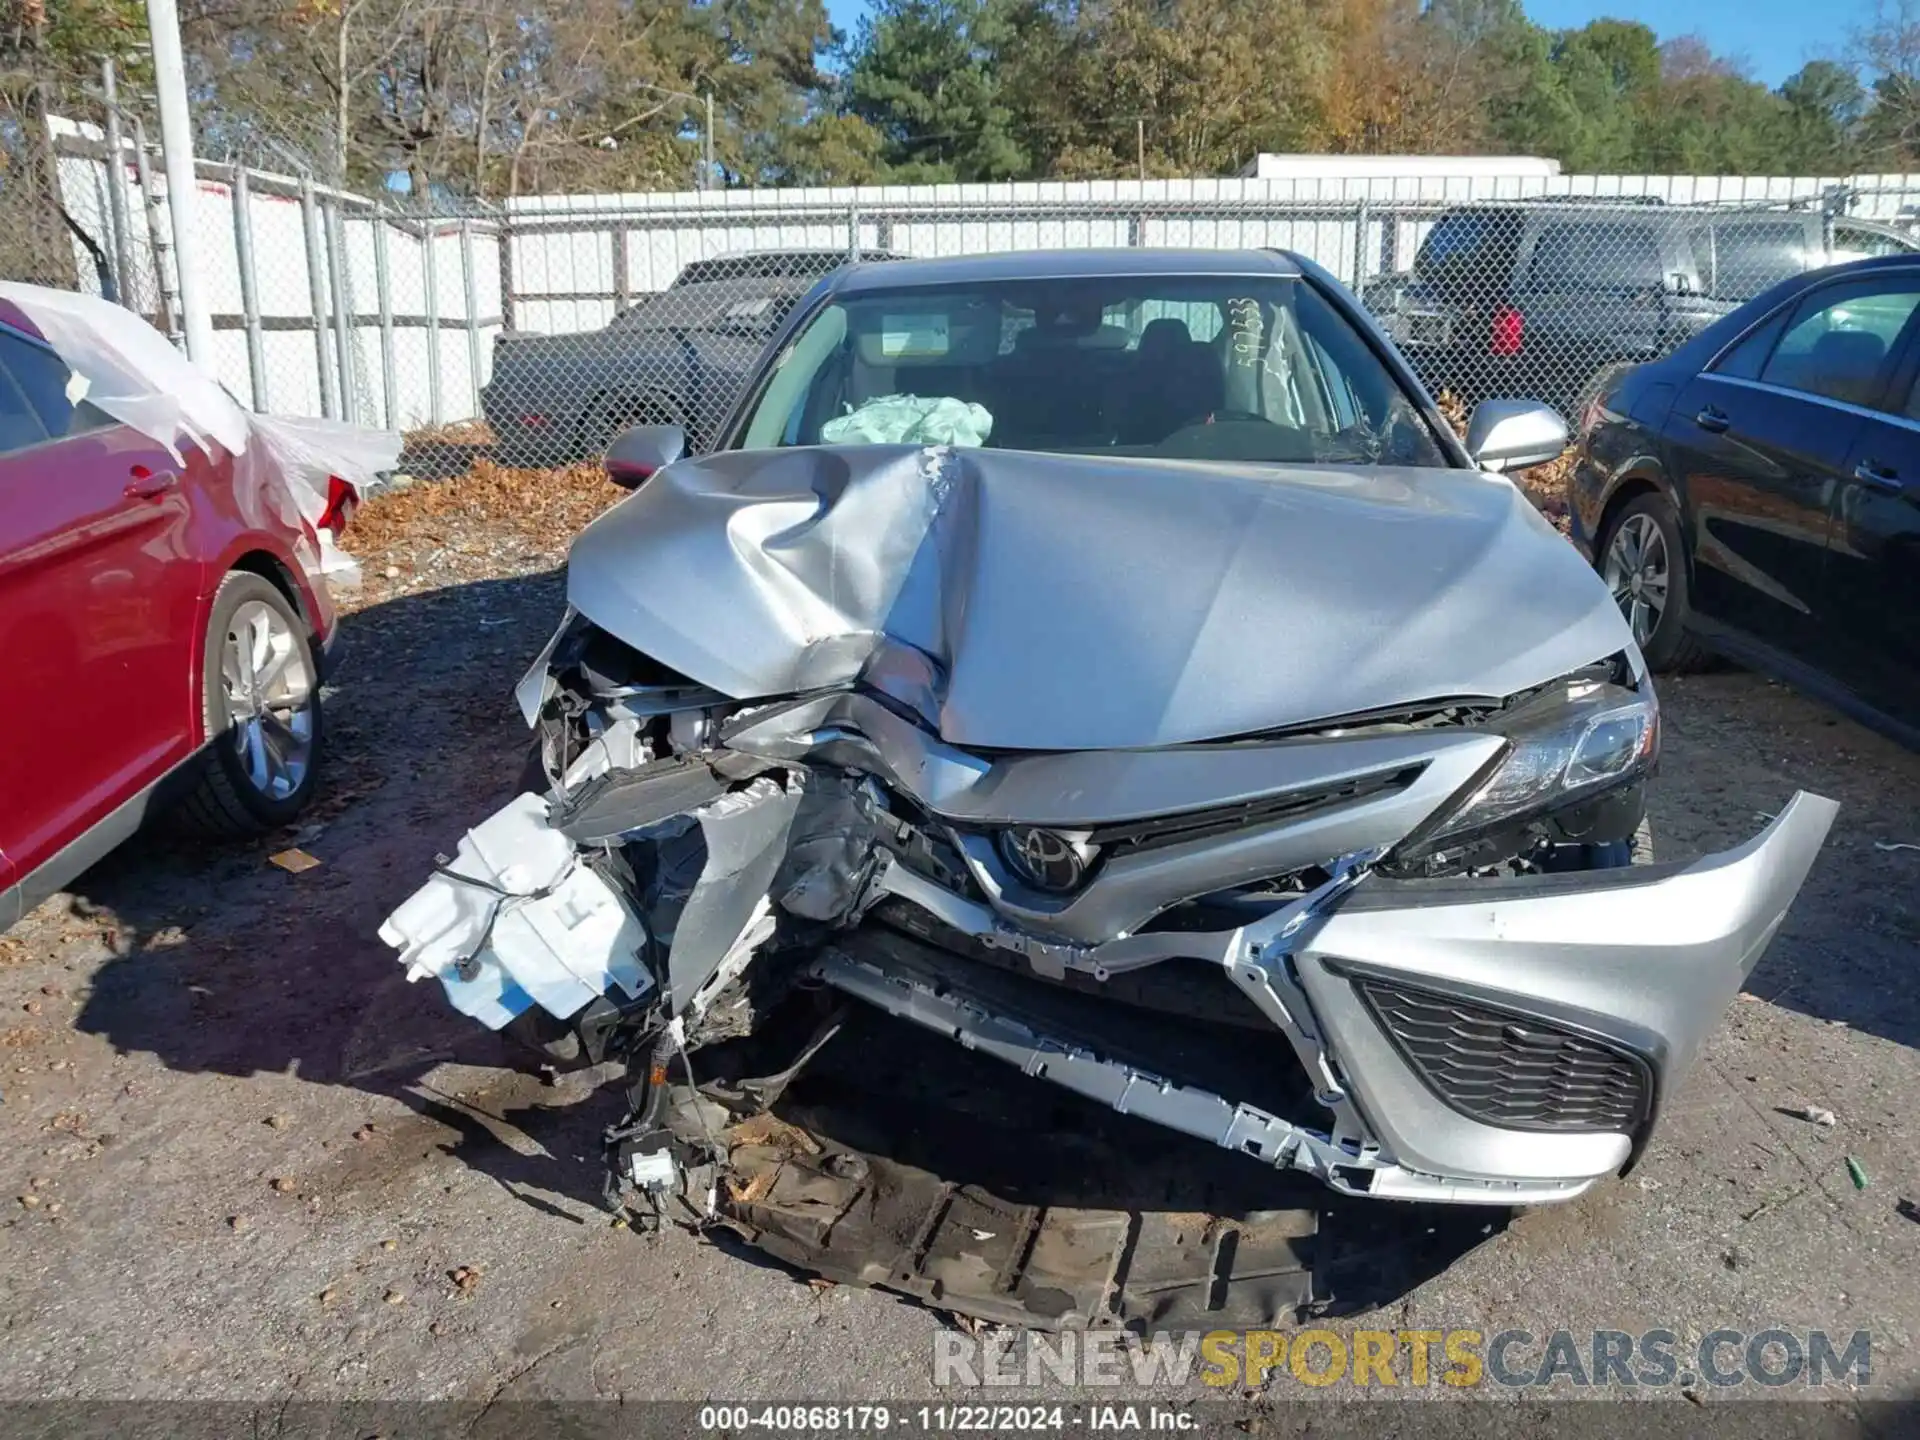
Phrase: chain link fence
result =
(542, 328)
(618, 313)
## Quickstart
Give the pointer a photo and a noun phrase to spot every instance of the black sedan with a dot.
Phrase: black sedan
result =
(1757, 492)
(674, 358)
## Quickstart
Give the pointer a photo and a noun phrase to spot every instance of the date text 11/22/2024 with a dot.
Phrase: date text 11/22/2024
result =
(938, 1419)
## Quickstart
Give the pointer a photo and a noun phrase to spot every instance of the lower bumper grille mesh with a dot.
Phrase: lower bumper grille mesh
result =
(1512, 1070)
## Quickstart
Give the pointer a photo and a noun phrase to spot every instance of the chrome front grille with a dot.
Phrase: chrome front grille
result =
(1507, 1069)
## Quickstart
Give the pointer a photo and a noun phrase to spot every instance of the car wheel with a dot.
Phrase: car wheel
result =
(260, 697)
(1642, 559)
(609, 418)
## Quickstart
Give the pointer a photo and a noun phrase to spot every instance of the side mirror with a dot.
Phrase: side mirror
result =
(635, 454)
(1513, 434)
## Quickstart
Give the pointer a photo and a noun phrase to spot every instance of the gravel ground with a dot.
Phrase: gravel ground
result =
(241, 1158)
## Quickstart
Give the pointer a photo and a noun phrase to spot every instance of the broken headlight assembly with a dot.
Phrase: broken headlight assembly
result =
(1575, 743)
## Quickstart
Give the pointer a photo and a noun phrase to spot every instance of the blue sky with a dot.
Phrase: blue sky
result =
(1774, 37)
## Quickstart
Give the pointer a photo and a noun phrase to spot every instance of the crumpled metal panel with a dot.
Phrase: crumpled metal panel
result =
(1082, 602)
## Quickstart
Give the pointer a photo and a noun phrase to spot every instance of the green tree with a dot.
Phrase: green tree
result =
(1826, 104)
(927, 76)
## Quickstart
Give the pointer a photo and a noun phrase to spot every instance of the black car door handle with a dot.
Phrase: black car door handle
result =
(1881, 477)
(1711, 419)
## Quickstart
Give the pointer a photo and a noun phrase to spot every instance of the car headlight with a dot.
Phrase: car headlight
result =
(1574, 741)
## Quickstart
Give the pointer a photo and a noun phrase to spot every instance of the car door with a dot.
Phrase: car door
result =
(1760, 443)
(96, 577)
(1873, 553)
(1593, 293)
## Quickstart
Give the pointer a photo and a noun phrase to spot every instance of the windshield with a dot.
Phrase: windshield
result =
(1197, 368)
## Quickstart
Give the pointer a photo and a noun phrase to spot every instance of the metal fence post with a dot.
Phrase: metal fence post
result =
(389, 386)
(1833, 201)
(472, 289)
(156, 235)
(1362, 226)
(430, 259)
(117, 189)
(183, 181)
(336, 237)
(249, 285)
(503, 240)
(622, 296)
(853, 232)
(317, 300)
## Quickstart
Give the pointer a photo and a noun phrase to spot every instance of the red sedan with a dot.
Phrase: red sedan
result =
(164, 630)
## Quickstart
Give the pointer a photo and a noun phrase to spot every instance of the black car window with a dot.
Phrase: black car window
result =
(43, 377)
(20, 427)
(1584, 254)
(1469, 249)
(1748, 355)
(1839, 340)
(1749, 256)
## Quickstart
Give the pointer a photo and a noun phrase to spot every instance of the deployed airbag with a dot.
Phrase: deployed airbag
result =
(903, 419)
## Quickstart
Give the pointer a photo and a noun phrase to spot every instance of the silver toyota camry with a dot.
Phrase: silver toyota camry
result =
(1075, 653)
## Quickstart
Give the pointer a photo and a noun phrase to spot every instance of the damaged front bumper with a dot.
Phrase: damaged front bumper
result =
(1484, 1040)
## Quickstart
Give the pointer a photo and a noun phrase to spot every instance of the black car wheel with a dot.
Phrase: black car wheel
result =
(1643, 561)
(610, 417)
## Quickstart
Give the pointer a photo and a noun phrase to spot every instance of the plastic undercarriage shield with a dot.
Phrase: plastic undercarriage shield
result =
(956, 1183)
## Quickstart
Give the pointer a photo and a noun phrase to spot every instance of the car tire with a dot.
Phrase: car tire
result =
(606, 420)
(260, 701)
(1642, 541)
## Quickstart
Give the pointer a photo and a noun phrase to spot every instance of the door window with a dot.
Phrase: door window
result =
(1594, 253)
(20, 427)
(1839, 339)
(1748, 355)
(46, 382)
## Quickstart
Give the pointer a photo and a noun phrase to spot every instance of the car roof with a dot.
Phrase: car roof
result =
(1058, 265)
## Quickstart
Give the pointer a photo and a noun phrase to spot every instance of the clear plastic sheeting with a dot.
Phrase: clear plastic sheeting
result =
(127, 369)
(132, 373)
(308, 450)
(911, 420)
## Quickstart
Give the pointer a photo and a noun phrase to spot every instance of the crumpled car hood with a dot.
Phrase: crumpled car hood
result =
(1061, 602)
